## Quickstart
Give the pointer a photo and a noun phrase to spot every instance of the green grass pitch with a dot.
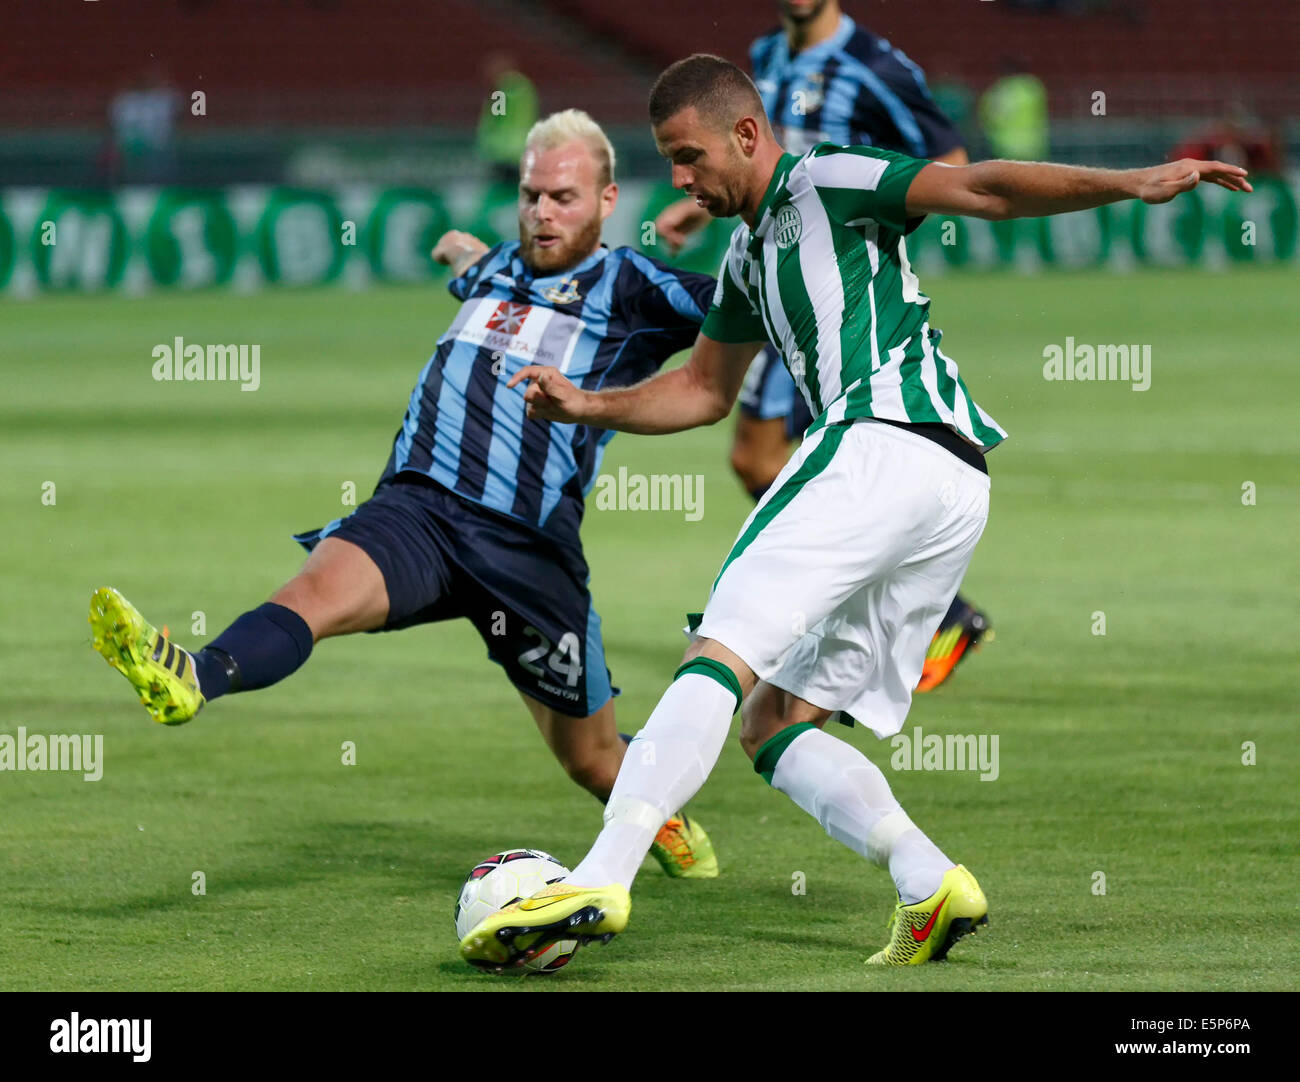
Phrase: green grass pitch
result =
(1120, 754)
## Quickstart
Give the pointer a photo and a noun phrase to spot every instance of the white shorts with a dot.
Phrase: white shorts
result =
(841, 574)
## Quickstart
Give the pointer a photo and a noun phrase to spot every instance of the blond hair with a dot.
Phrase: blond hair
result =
(567, 126)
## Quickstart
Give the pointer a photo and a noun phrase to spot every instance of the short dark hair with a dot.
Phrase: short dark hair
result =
(720, 92)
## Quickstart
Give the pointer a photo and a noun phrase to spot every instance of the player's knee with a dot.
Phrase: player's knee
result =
(760, 718)
(304, 594)
(753, 738)
(769, 710)
(310, 596)
(336, 596)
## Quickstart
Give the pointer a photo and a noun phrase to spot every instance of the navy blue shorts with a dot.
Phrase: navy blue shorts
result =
(769, 392)
(444, 557)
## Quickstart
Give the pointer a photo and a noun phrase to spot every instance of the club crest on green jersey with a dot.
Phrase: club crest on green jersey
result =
(789, 226)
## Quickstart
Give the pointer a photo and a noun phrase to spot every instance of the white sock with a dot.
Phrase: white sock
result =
(846, 792)
(917, 865)
(664, 767)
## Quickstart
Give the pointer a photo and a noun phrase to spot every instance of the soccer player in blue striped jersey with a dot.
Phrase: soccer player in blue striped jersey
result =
(477, 511)
(824, 78)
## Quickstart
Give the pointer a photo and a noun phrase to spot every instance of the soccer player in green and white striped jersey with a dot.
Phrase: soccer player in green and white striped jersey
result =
(830, 594)
(824, 275)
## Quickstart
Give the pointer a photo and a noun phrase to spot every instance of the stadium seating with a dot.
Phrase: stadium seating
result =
(1162, 56)
(359, 63)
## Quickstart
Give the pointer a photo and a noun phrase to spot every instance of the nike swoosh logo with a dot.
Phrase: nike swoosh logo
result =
(530, 904)
(928, 927)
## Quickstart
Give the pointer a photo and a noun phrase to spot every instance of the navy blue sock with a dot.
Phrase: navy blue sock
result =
(954, 612)
(259, 649)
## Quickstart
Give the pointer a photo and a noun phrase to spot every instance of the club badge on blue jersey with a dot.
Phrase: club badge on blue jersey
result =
(809, 98)
(565, 293)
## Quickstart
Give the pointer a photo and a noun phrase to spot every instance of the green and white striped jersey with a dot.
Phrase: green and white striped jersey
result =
(824, 277)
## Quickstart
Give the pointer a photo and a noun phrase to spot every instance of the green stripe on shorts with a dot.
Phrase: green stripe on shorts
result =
(812, 466)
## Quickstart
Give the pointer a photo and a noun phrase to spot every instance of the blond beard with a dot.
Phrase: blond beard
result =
(553, 261)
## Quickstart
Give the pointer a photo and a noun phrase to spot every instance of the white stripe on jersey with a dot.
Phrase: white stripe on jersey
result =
(930, 378)
(730, 264)
(573, 344)
(476, 319)
(722, 275)
(839, 408)
(846, 170)
(870, 236)
(756, 290)
(825, 289)
(784, 336)
(887, 387)
(960, 405)
(738, 242)
(911, 284)
(520, 327)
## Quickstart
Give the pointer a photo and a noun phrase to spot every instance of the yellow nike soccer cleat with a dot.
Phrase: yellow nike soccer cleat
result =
(683, 850)
(926, 931)
(159, 670)
(527, 927)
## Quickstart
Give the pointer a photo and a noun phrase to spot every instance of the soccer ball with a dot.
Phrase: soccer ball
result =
(504, 878)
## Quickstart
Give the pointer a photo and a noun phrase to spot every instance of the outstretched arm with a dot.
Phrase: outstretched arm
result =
(700, 392)
(458, 250)
(999, 190)
(677, 221)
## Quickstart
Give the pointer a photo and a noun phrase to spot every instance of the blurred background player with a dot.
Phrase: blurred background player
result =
(824, 78)
(476, 514)
(142, 121)
(1013, 114)
(509, 113)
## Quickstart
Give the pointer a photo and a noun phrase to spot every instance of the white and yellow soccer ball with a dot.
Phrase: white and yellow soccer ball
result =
(507, 877)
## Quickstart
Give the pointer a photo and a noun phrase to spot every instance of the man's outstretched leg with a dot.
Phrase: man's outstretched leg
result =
(830, 779)
(339, 590)
(666, 764)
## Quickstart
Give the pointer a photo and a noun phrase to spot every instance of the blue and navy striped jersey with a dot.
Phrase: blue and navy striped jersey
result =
(852, 89)
(612, 320)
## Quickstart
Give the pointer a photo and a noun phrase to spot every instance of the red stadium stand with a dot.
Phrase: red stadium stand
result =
(1168, 56)
(282, 62)
(366, 63)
